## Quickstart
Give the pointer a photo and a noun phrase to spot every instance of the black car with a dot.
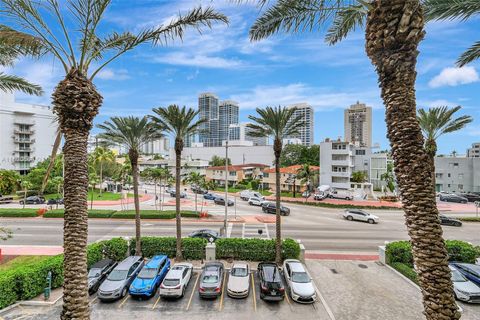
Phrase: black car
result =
(270, 207)
(271, 284)
(198, 190)
(221, 200)
(55, 201)
(98, 272)
(33, 200)
(452, 198)
(447, 221)
(205, 234)
(471, 197)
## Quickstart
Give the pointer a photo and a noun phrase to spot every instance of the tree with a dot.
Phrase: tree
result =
(92, 180)
(307, 175)
(180, 123)
(294, 154)
(458, 9)
(53, 28)
(8, 181)
(217, 161)
(389, 177)
(195, 178)
(359, 176)
(393, 31)
(277, 123)
(133, 133)
(26, 185)
(102, 155)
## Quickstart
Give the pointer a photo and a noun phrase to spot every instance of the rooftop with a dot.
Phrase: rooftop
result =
(291, 169)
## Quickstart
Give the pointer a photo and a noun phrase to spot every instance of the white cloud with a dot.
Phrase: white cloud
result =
(198, 60)
(454, 77)
(111, 74)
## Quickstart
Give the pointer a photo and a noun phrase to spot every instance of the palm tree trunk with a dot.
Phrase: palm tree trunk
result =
(53, 155)
(134, 162)
(196, 210)
(278, 222)
(178, 163)
(101, 177)
(394, 30)
(155, 199)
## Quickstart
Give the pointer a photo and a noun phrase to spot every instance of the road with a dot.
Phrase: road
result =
(319, 229)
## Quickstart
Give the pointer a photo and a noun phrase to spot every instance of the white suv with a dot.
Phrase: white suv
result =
(176, 281)
(255, 201)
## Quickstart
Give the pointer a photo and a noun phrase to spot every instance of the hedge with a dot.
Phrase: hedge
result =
(153, 214)
(255, 249)
(469, 219)
(59, 213)
(192, 248)
(406, 270)
(13, 212)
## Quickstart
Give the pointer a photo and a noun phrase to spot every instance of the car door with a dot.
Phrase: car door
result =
(132, 272)
(360, 216)
(186, 276)
(288, 274)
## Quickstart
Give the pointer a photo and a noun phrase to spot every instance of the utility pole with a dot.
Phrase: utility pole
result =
(226, 187)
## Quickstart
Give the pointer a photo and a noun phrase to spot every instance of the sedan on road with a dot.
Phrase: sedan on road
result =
(117, 283)
(271, 207)
(299, 282)
(176, 281)
(221, 201)
(254, 201)
(360, 215)
(150, 277)
(211, 280)
(470, 271)
(209, 196)
(271, 284)
(210, 235)
(174, 193)
(471, 197)
(448, 221)
(238, 285)
(463, 288)
(452, 198)
(33, 200)
(55, 201)
(98, 272)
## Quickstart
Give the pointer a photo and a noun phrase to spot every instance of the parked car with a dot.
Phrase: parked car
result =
(319, 196)
(271, 285)
(271, 207)
(299, 282)
(221, 201)
(4, 199)
(211, 280)
(344, 195)
(471, 197)
(176, 281)
(173, 194)
(306, 194)
(254, 201)
(98, 272)
(205, 234)
(150, 277)
(238, 284)
(452, 198)
(55, 201)
(209, 196)
(198, 190)
(463, 288)
(448, 221)
(117, 283)
(33, 200)
(470, 271)
(360, 215)
(247, 194)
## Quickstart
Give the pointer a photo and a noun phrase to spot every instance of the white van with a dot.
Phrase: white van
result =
(247, 194)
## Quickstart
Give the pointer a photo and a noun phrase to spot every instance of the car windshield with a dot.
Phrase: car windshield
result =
(239, 272)
(300, 277)
(171, 282)
(147, 273)
(210, 278)
(93, 273)
(271, 274)
(457, 276)
(117, 275)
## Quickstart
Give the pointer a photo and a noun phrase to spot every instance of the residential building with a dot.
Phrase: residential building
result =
(237, 153)
(474, 151)
(358, 124)
(228, 113)
(27, 133)
(236, 173)
(157, 147)
(374, 165)
(305, 112)
(239, 136)
(288, 179)
(457, 174)
(187, 165)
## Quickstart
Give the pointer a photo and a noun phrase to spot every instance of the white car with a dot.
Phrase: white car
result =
(299, 282)
(247, 194)
(238, 285)
(176, 281)
(464, 289)
(255, 201)
(360, 215)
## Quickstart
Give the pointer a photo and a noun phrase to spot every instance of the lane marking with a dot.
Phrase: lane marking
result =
(156, 302)
(229, 229)
(253, 291)
(124, 300)
(193, 291)
(266, 231)
(220, 307)
(243, 230)
(324, 302)
(93, 300)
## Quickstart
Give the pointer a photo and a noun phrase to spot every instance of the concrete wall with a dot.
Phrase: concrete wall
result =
(457, 174)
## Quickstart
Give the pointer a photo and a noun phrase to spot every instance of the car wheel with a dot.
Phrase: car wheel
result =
(183, 291)
(458, 224)
(124, 292)
(371, 221)
(349, 218)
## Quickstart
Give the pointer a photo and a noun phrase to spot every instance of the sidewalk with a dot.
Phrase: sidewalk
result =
(143, 198)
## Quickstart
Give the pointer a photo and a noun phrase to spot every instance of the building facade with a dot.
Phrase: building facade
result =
(457, 174)
(474, 151)
(157, 147)
(239, 136)
(27, 133)
(236, 173)
(305, 112)
(358, 124)
(238, 154)
(288, 179)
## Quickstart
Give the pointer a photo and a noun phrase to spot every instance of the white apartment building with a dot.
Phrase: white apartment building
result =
(239, 136)
(27, 133)
(188, 165)
(160, 146)
(305, 111)
(457, 174)
(358, 124)
(238, 154)
(474, 151)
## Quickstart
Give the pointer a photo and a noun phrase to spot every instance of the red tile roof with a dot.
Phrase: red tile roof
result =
(291, 169)
(239, 166)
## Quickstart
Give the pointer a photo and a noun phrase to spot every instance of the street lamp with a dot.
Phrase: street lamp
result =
(226, 179)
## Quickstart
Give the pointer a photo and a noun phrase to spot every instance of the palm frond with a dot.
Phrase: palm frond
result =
(346, 20)
(13, 83)
(19, 43)
(180, 122)
(277, 123)
(472, 54)
(450, 9)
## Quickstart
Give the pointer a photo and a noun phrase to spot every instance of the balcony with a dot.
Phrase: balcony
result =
(22, 131)
(342, 151)
(24, 159)
(341, 174)
(342, 163)
(25, 149)
(23, 140)
(28, 122)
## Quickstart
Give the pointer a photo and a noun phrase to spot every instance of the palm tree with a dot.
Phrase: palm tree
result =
(194, 178)
(102, 155)
(458, 9)
(26, 185)
(51, 28)
(307, 175)
(393, 31)
(181, 123)
(133, 133)
(277, 123)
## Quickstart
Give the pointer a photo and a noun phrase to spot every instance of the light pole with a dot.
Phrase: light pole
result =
(226, 187)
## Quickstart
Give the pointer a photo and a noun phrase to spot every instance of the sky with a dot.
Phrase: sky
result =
(280, 70)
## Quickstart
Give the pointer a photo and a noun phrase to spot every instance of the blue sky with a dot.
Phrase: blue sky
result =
(281, 70)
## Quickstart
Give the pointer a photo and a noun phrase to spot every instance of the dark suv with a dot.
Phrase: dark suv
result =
(271, 285)
(271, 207)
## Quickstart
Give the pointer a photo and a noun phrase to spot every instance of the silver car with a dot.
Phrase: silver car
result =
(117, 283)
(211, 280)
(360, 215)
(238, 284)
(299, 282)
(464, 289)
(255, 201)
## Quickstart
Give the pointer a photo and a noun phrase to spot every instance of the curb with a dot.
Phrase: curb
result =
(30, 303)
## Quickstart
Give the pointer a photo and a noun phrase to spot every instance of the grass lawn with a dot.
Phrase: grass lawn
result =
(18, 212)
(153, 214)
(96, 195)
(20, 261)
(235, 190)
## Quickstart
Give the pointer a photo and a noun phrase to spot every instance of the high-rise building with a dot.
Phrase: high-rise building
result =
(228, 113)
(27, 133)
(305, 111)
(474, 151)
(358, 124)
(239, 136)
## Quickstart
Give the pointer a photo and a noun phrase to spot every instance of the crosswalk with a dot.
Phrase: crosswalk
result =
(250, 231)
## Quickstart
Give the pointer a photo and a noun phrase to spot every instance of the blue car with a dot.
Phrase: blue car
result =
(209, 196)
(150, 277)
(470, 271)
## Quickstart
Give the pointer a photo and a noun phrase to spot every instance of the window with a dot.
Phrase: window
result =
(438, 175)
(232, 173)
(460, 176)
(266, 175)
(455, 164)
(449, 175)
(360, 152)
(460, 186)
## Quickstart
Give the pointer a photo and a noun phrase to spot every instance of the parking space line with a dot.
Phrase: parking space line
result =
(193, 292)
(93, 300)
(253, 291)
(124, 300)
(223, 291)
(156, 302)
(286, 297)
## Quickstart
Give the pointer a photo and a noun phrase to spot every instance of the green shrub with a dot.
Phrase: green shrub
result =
(8, 289)
(461, 251)
(469, 219)
(13, 212)
(406, 270)
(115, 248)
(153, 214)
(399, 251)
(59, 213)
(192, 248)
(254, 184)
(254, 249)
(240, 187)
